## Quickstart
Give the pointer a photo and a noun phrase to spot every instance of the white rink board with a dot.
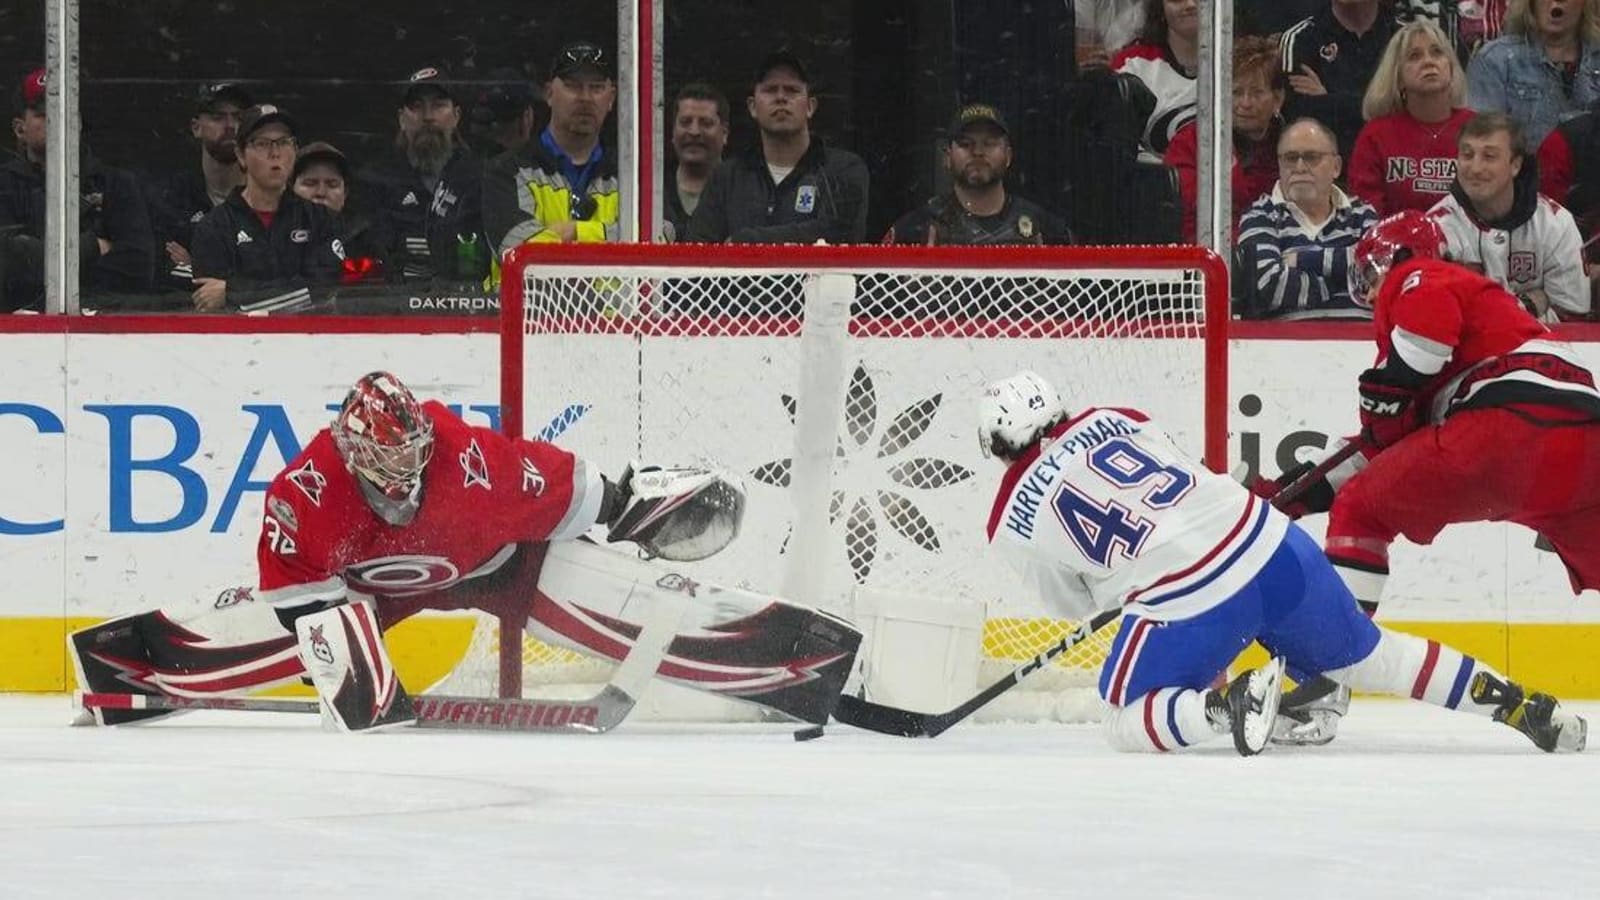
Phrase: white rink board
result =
(94, 565)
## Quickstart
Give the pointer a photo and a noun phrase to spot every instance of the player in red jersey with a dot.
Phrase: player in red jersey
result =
(1471, 413)
(405, 503)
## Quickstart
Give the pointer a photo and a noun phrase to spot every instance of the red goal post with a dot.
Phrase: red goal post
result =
(840, 384)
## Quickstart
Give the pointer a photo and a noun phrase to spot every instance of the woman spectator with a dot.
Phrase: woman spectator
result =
(1405, 156)
(1545, 68)
(322, 176)
(1258, 86)
(1166, 59)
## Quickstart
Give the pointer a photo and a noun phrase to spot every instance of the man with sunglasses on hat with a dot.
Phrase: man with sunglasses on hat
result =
(562, 186)
(788, 188)
(426, 194)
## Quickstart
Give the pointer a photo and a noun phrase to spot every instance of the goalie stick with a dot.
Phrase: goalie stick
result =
(595, 715)
(905, 723)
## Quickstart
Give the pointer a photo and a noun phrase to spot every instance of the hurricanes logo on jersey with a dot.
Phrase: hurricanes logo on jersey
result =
(474, 467)
(532, 479)
(310, 482)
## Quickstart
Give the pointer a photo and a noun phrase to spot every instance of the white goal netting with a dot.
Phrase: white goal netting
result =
(841, 385)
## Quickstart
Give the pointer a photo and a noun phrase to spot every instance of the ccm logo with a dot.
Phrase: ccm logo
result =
(1382, 407)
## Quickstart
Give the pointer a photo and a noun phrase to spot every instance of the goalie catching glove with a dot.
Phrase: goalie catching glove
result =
(680, 514)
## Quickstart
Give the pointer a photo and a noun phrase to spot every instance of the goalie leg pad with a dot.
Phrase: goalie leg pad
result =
(343, 651)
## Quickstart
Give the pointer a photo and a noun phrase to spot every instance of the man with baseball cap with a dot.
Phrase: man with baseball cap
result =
(427, 194)
(503, 116)
(263, 248)
(978, 209)
(788, 188)
(183, 198)
(116, 251)
(562, 187)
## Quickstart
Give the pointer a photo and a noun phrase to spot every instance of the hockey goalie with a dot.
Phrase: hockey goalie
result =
(399, 506)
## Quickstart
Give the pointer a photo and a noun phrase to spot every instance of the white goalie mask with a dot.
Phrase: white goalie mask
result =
(1014, 412)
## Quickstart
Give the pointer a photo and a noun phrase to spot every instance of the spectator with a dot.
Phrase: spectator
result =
(1495, 221)
(562, 187)
(1543, 69)
(1329, 59)
(1269, 17)
(1466, 23)
(116, 249)
(1405, 156)
(1569, 172)
(264, 247)
(1295, 245)
(503, 117)
(978, 209)
(322, 176)
(700, 120)
(1102, 27)
(1166, 59)
(181, 199)
(427, 195)
(787, 188)
(1258, 89)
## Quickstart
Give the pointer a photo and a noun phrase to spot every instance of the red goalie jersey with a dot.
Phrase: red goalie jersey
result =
(481, 494)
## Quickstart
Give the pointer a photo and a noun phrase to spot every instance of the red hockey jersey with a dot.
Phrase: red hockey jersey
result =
(1402, 163)
(481, 494)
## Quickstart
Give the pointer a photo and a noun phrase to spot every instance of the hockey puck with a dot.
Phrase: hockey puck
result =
(809, 734)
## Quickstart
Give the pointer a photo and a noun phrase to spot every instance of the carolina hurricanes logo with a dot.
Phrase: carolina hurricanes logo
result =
(474, 467)
(310, 482)
(320, 648)
(1329, 52)
(395, 576)
(1412, 281)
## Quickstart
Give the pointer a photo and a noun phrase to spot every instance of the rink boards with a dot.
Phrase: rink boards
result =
(136, 451)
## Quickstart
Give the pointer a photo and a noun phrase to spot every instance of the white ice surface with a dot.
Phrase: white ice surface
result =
(1409, 802)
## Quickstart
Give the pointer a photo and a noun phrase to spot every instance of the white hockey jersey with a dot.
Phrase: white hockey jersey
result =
(1544, 253)
(1109, 511)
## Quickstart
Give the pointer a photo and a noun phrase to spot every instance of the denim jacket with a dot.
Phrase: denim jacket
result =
(1513, 76)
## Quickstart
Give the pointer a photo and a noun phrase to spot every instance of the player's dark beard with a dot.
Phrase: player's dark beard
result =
(428, 148)
(223, 151)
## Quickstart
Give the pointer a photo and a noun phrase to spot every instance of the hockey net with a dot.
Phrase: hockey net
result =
(841, 383)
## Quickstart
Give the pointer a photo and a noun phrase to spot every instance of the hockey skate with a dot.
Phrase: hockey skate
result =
(1248, 706)
(1309, 715)
(1539, 716)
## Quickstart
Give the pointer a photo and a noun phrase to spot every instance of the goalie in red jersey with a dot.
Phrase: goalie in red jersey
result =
(1471, 413)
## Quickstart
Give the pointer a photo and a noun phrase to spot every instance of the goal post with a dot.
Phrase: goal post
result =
(841, 384)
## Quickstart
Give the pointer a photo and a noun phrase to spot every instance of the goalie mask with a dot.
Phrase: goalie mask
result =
(386, 438)
(1388, 243)
(1015, 412)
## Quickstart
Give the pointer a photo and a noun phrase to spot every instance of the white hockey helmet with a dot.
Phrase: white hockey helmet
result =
(1014, 412)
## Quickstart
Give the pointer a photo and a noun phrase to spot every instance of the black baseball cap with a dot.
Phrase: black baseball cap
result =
(260, 116)
(782, 59)
(321, 151)
(581, 57)
(505, 96)
(976, 113)
(427, 80)
(210, 95)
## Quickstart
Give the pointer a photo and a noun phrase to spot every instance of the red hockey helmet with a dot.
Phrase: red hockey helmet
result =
(1391, 241)
(384, 435)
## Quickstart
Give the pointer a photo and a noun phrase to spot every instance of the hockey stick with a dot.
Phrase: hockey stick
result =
(1309, 480)
(595, 715)
(905, 723)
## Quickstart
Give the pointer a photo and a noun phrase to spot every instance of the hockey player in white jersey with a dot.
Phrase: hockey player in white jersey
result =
(1100, 508)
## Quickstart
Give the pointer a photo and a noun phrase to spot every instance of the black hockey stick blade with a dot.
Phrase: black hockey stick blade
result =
(904, 723)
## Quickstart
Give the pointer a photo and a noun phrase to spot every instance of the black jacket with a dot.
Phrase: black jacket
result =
(304, 247)
(112, 208)
(422, 229)
(1343, 61)
(942, 220)
(824, 197)
(177, 202)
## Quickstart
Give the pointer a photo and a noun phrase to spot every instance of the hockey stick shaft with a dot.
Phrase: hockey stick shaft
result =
(905, 723)
(1309, 480)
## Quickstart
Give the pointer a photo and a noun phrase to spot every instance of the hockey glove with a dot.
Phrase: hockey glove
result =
(1318, 498)
(1388, 412)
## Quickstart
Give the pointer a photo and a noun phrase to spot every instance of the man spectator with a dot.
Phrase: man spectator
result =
(1295, 244)
(700, 119)
(978, 208)
(322, 176)
(1569, 173)
(1495, 221)
(787, 188)
(183, 198)
(264, 247)
(427, 195)
(502, 119)
(562, 187)
(1329, 58)
(116, 250)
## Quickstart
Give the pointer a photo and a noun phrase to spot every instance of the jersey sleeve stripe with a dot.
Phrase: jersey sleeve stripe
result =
(1421, 354)
(587, 492)
(331, 588)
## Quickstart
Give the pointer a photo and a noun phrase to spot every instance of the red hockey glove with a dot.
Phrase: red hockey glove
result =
(1387, 411)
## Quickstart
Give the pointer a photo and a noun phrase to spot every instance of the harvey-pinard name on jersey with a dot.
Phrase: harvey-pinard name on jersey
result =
(1029, 496)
